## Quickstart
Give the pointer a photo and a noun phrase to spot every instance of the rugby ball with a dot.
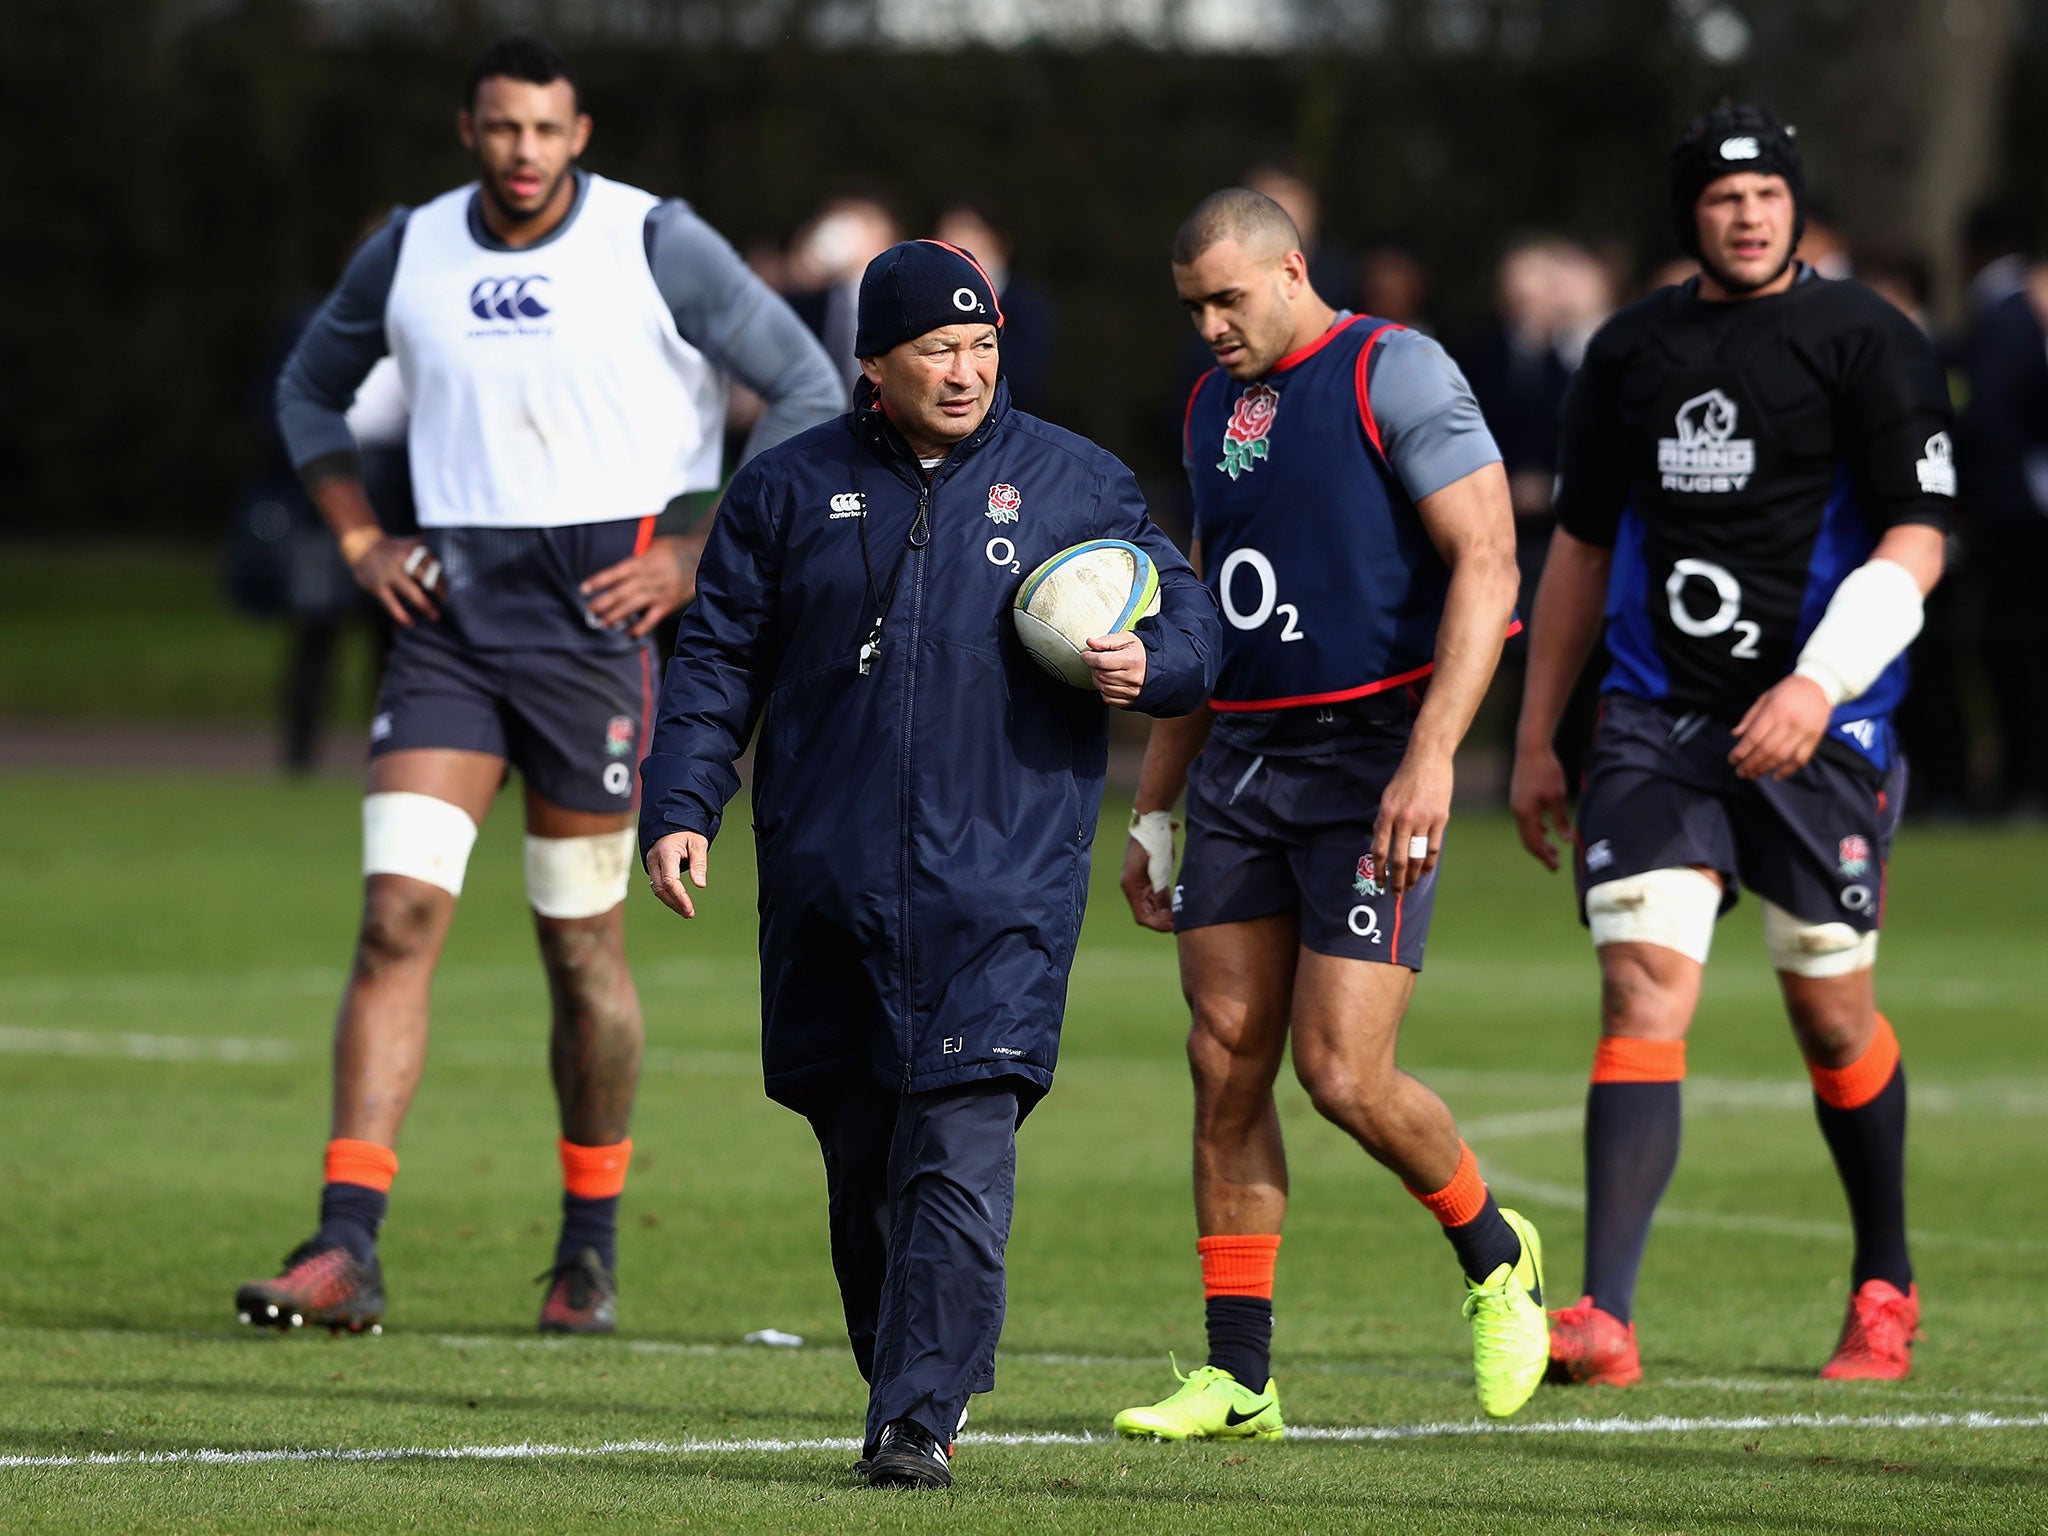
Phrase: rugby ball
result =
(1102, 587)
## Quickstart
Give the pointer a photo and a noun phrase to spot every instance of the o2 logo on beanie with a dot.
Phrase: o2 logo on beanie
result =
(967, 301)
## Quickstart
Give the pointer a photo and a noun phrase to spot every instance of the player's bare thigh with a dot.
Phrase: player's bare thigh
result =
(1239, 982)
(468, 781)
(546, 819)
(1346, 1021)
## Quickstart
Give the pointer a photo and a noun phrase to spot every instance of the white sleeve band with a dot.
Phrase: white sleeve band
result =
(1873, 616)
(1153, 832)
(417, 836)
(579, 876)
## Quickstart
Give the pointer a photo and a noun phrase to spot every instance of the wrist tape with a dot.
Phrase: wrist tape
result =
(1153, 831)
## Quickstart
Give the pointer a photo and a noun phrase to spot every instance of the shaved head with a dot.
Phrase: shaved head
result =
(1241, 276)
(1257, 223)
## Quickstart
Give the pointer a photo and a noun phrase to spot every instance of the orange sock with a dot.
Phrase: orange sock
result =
(1238, 1265)
(1463, 1198)
(1618, 1059)
(595, 1173)
(1855, 1085)
(361, 1162)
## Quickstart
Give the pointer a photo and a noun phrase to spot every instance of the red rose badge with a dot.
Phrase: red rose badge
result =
(1244, 435)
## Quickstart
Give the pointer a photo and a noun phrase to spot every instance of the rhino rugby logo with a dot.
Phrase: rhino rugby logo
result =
(1706, 458)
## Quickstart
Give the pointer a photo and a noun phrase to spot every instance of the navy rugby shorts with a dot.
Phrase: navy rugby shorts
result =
(1659, 794)
(574, 723)
(1294, 834)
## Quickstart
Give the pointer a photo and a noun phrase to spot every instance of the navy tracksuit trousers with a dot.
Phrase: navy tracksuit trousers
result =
(921, 1187)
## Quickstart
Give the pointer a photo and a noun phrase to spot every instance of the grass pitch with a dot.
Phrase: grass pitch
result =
(170, 963)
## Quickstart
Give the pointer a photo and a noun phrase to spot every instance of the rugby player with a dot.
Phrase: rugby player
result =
(1352, 517)
(563, 341)
(1755, 472)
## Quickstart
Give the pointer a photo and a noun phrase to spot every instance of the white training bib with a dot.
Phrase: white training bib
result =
(548, 386)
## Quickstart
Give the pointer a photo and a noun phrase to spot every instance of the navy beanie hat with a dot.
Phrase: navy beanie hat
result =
(918, 286)
(1720, 143)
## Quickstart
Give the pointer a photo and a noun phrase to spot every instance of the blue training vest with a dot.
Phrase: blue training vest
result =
(1329, 584)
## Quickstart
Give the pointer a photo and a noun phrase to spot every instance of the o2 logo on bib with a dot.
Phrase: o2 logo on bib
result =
(1253, 564)
(1726, 616)
(511, 298)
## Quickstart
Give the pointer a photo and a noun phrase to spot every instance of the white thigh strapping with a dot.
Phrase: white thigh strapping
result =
(1816, 949)
(1671, 908)
(417, 835)
(579, 876)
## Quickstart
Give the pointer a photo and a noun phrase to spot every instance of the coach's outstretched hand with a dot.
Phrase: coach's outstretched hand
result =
(667, 860)
(1536, 795)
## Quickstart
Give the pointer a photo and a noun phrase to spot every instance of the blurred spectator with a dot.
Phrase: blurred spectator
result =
(1394, 284)
(1030, 320)
(282, 563)
(2002, 449)
(768, 259)
(1668, 272)
(1550, 295)
(1585, 293)
(1823, 247)
(1332, 270)
(1933, 729)
(1994, 254)
(825, 263)
(1901, 278)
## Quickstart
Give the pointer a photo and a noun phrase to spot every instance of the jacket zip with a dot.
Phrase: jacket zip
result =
(905, 950)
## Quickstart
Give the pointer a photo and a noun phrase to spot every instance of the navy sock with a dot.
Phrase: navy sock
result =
(1869, 1144)
(1632, 1132)
(350, 1215)
(1241, 1338)
(589, 1224)
(1485, 1242)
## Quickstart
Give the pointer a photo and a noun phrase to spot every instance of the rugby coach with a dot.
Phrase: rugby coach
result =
(924, 800)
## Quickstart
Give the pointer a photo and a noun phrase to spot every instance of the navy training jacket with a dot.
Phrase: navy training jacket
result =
(922, 830)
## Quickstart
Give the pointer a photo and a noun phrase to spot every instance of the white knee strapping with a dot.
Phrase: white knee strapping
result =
(1671, 908)
(417, 835)
(1816, 949)
(579, 876)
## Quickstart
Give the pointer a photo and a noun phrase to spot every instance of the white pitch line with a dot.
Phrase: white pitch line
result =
(527, 1450)
(1048, 1357)
(130, 1046)
(2016, 1096)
